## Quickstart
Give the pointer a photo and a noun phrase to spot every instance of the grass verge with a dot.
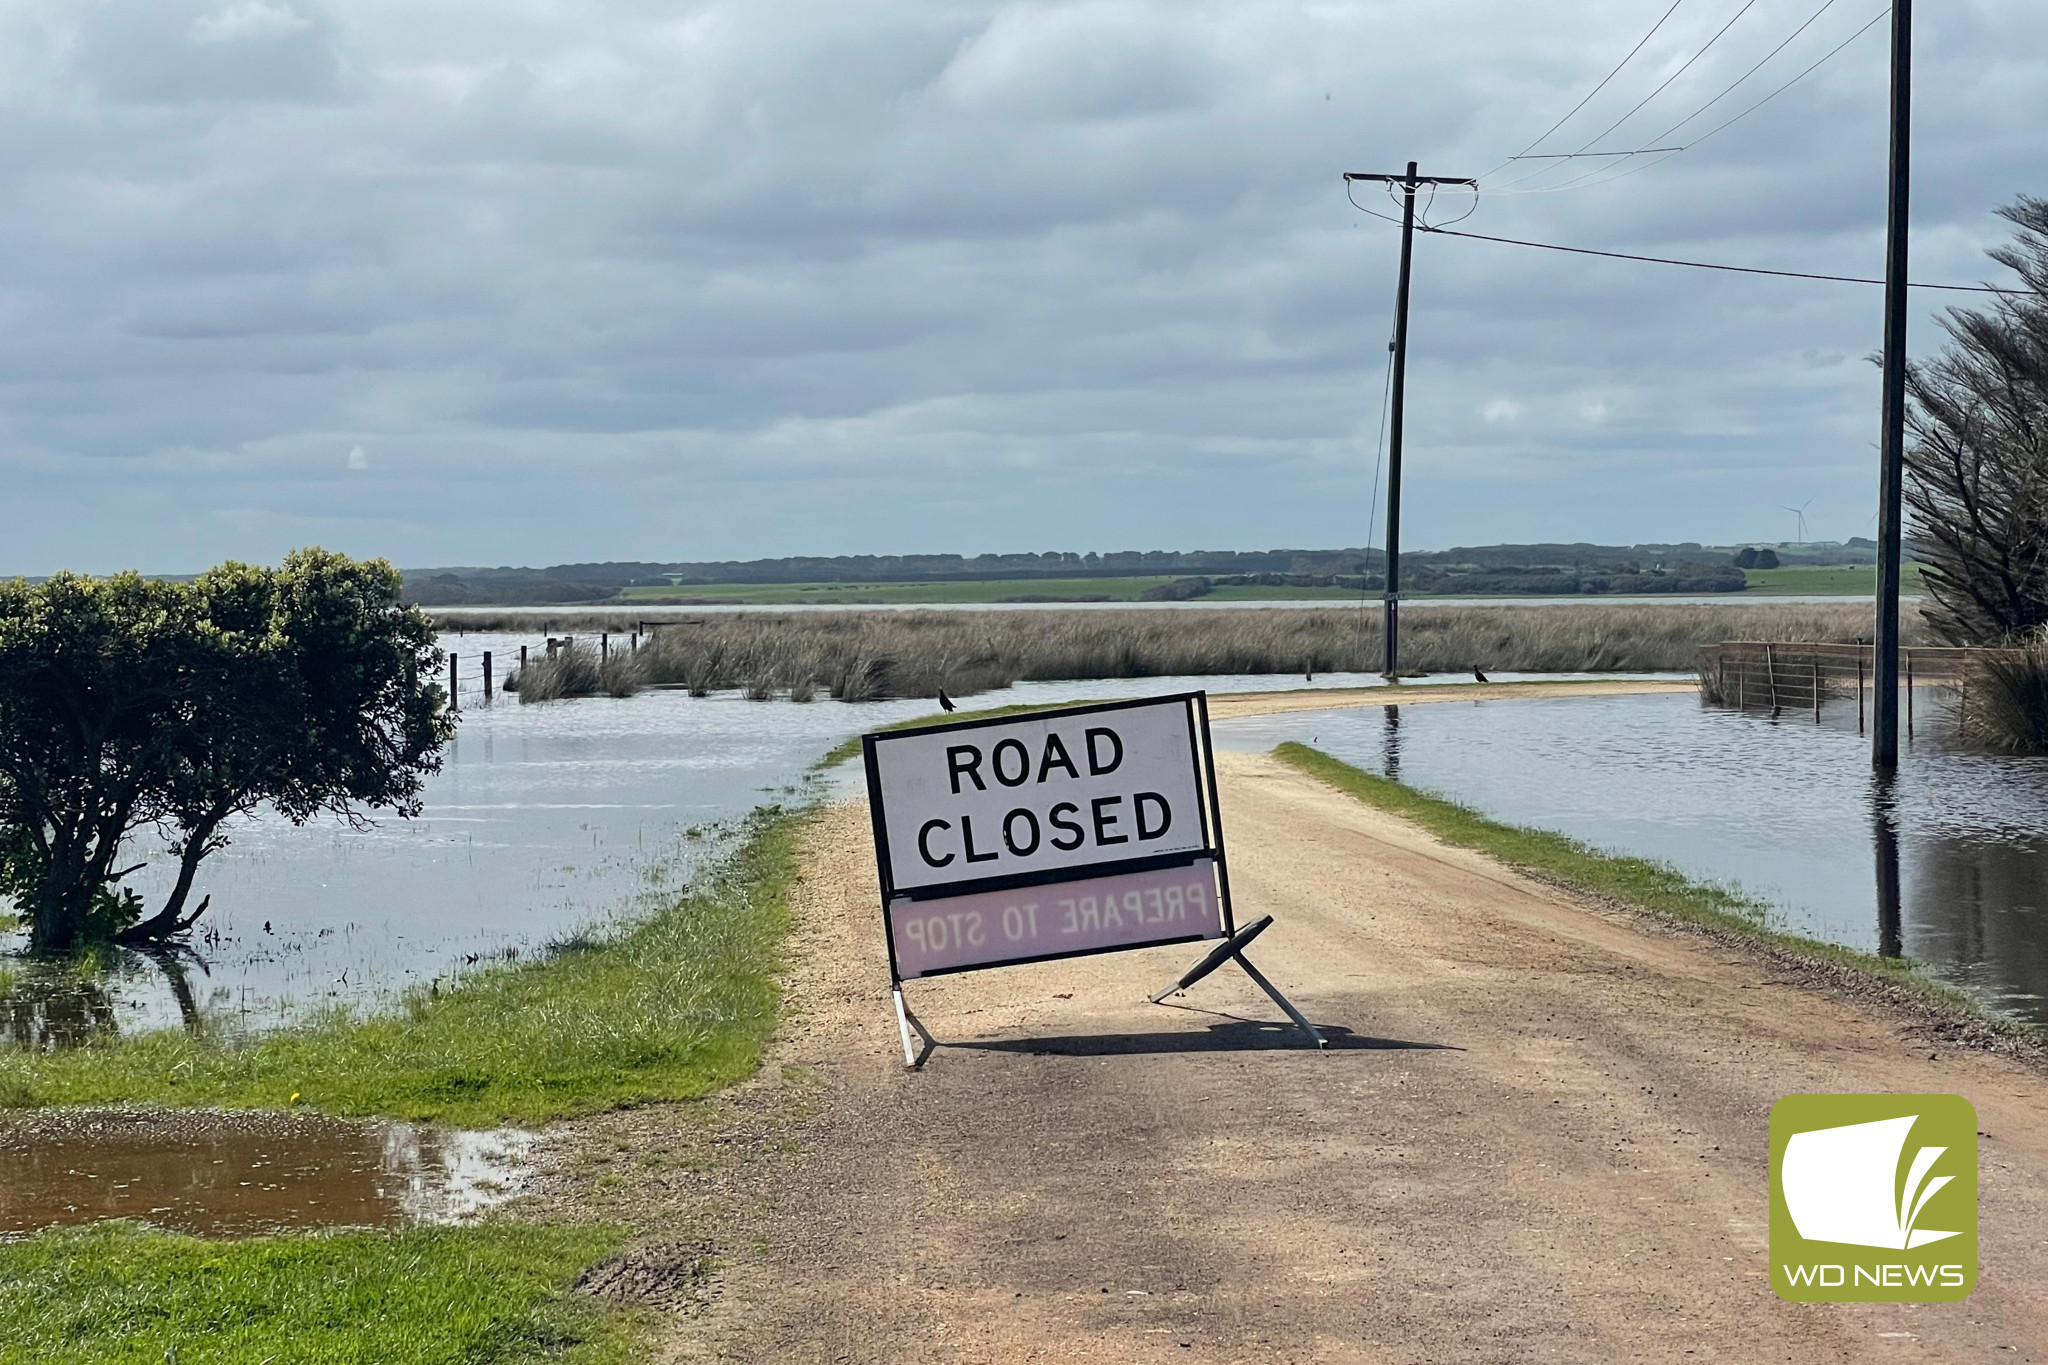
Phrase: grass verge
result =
(668, 1008)
(1662, 890)
(116, 1294)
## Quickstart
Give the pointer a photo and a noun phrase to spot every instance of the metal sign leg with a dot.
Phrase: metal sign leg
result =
(914, 1057)
(1222, 953)
(1282, 1001)
(1232, 949)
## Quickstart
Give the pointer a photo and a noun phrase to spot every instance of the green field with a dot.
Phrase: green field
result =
(1826, 580)
(1843, 580)
(877, 594)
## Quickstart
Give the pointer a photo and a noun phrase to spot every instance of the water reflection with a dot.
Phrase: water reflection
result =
(1884, 826)
(45, 1005)
(247, 1174)
(1947, 862)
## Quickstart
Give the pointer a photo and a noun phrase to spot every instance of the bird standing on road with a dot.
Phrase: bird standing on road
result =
(1477, 674)
(946, 702)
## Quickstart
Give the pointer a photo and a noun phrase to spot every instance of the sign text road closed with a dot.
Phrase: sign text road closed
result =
(1088, 829)
(1042, 794)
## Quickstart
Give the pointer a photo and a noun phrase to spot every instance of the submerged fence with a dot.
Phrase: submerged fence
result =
(1774, 676)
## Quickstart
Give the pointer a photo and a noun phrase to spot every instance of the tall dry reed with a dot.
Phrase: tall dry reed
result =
(865, 656)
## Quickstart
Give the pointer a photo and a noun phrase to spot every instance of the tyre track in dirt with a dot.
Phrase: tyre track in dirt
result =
(1541, 1135)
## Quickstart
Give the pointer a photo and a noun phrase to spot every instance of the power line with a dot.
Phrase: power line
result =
(1580, 180)
(1567, 156)
(1748, 5)
(1736, 269)
(1596, 89)
(1810, 19)
(1795, 80)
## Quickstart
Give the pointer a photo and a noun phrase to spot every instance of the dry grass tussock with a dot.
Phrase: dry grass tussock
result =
(2008, 698)
(866, 656)
(578, 671)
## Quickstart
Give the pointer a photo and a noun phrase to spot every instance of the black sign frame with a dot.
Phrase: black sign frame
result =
(1211, 810)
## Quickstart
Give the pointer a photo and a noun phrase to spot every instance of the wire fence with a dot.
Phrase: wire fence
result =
(1780, 677)
(480, 675)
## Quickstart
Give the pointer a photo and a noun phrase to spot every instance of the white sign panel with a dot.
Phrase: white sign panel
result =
(1047, 794)
(1121, 910)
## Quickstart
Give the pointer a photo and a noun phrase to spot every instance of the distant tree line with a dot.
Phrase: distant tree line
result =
(1562, 568)
(1473, 579)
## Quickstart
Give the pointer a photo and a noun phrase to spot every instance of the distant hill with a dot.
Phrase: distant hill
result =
(1580, 567)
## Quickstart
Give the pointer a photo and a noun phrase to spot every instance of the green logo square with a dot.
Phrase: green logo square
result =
(1873, 1198)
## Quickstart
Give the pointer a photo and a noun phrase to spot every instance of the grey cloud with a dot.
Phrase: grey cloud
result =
(688, 280)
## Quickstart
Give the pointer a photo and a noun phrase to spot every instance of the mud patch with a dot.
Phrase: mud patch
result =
(682, 1277)
(214, 1174)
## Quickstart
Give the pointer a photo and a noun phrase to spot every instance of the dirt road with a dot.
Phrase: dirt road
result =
(1540, 1135)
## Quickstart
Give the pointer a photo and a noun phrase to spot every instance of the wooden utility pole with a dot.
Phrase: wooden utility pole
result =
(1409, 183)
(1884, 730)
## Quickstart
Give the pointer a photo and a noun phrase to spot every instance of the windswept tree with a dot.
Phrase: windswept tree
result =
(129, 704)
(1977, 457)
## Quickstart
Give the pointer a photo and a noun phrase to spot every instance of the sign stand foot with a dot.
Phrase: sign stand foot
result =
(1230, 949)
(913, 1056)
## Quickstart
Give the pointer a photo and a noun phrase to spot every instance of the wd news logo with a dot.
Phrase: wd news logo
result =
(1873, 1198)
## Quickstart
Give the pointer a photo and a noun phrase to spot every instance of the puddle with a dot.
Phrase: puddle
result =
(215, 1174)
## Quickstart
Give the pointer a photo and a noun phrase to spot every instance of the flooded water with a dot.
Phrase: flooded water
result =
(628, 614)
(244, 1175)
(545, 819)
(1948, 862)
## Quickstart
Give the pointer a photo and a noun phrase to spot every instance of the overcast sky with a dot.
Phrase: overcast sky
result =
(528, 282)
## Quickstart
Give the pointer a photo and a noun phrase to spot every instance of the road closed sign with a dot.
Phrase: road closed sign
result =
(1018, 839)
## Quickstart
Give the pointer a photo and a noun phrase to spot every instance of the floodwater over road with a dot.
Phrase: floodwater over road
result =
(545, 819)
(1948, 862)
(246, 1174)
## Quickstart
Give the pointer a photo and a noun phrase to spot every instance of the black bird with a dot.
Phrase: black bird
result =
(1477, 674)
(946, 702)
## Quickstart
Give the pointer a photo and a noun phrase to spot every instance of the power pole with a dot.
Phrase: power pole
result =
(1884, 732)
(1391, 599)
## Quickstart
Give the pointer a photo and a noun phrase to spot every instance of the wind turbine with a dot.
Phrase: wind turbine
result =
(1799, 512)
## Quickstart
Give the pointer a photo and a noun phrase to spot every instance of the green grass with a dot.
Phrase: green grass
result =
(668, 1008)
(1825, 580)
(116, 1294)
(1653, 886)
(870, 594)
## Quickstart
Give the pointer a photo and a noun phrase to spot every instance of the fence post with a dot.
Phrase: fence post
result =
(1859, 689)
(604, 645)
(487, 675)
(1816, 691)
(1771, 673)
(522, 656)
(453, 703)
